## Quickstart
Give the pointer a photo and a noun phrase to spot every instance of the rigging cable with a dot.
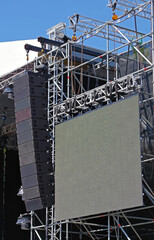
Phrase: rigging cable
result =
(81, 72)
(139, 58)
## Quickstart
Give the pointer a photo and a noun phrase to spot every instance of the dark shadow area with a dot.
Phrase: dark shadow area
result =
(11, 208)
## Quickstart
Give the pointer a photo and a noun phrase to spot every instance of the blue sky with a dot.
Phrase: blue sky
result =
(31, 18)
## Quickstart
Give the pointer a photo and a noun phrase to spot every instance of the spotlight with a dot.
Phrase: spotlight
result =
(9, 92)
(24, 221)
(63, 37)
(21, 193)
(7, 89)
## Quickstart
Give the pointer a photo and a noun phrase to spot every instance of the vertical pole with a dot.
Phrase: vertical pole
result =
(31, 226)
(55, 81)
(108, 226)
(62, 81)
(152, 33)
(138, 57)
(46, 225)
(67, 230)
(53, 149)
(107, 53)
(48, 106)
(52, 222)
(81, 67)
(80, 236)
(68, 74)
(116, 67)
(60, 234)
(88, 82)
(118, 231)
(53, 120)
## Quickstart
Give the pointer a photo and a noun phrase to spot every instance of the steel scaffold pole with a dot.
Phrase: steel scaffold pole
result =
(152, 33)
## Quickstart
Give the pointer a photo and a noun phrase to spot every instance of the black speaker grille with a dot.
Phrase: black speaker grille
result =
(34, 140)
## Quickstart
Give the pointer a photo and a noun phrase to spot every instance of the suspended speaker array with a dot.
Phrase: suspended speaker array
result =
(33, 140)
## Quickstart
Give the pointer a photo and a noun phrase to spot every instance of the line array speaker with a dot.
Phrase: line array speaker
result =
(33, 140)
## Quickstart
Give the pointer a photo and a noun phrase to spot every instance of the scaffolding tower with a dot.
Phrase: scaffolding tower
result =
(81, 79)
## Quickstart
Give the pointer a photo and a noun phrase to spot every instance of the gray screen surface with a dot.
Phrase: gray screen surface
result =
(97, 161)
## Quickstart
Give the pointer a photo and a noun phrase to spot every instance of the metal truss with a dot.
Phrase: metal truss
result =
(142, 7)
(91, 27)
(116, 224)
(98, 83)
(67, 105)
(8, 129)
(99, 96)
(113, 226)
(7, 79)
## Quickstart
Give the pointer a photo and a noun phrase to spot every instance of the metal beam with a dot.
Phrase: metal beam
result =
(51, 42)
(29, 47)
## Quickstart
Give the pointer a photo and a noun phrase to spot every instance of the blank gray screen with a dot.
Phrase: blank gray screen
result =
(97, 161)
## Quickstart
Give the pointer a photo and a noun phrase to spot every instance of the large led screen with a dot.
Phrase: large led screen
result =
(97, 161)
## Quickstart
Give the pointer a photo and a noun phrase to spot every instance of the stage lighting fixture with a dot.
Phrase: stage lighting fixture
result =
(21, 193)
(8, 89)
(24, 221)
(63, 37)
(9, 92)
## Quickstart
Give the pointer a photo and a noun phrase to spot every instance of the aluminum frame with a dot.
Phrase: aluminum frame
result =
(62, 104)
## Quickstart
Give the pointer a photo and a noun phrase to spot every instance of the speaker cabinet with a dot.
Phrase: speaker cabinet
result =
(33, 140)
